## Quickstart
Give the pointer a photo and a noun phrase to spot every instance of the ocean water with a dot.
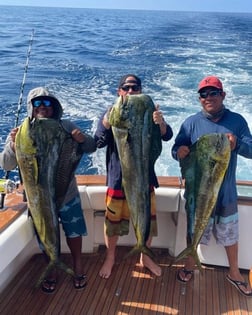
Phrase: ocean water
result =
(80, 54)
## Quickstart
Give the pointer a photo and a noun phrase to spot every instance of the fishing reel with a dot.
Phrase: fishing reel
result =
(7, 186)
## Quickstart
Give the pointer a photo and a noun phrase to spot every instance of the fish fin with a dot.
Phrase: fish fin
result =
(60, 264)
(45, 273)
(190, 251)
(140, 249)
(54, 264)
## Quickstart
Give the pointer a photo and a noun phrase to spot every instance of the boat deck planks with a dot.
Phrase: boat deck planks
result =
(131, 289)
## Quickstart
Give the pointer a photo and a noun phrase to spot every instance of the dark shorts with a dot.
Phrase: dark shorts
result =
(117, 215)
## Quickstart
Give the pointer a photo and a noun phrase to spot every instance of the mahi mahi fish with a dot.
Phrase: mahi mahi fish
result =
(203, 170)
(138, 142)
(47, 157)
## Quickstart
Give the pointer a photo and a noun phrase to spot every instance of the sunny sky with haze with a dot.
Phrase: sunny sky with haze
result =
(182, 5)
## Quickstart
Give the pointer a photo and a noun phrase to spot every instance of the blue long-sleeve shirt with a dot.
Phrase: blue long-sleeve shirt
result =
(198, 125)
(104, 137)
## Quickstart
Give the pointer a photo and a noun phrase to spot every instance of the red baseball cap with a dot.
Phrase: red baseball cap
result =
(210, 81)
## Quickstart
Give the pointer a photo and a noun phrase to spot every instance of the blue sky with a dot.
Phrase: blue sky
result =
(181, 5)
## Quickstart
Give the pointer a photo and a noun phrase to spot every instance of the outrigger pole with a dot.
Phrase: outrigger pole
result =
(3, 187)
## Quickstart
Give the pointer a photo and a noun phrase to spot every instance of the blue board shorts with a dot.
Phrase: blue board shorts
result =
(72, 219)
(225, 230)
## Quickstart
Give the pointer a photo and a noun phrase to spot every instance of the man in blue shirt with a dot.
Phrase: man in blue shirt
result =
(216, 118)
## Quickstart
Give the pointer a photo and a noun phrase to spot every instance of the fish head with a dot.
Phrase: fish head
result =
(41, 128)
(24, 141)
(215, 145)
(119, 113)
(129, 108)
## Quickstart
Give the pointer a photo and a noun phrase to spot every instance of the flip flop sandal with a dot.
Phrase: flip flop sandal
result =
(48, 286)
(186, 272)
(80, 282)
(237, 284)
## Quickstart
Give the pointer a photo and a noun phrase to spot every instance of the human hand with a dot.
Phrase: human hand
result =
(232, 139)
(105, 120)
(182, 152)
(78, 136)
(158, 116)
(13, 134)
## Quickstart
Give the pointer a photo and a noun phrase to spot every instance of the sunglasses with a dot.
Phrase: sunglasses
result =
(210, 93)
(45, 102)
(134, 88)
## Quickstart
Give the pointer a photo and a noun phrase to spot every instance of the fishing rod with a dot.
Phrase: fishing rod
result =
(5, 184)
(20, 100)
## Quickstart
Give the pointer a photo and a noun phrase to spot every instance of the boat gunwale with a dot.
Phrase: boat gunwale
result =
(15, 206)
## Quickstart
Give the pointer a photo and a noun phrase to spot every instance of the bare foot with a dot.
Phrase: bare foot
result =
(107, 266)
(147, 262)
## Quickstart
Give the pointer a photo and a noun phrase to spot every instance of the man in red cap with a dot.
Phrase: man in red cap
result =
(210, 81)
(214, 117)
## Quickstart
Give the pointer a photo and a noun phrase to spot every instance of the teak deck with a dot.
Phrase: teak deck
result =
(131, 289)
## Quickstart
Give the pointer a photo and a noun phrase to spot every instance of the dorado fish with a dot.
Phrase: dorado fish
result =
(203, 170)
(40, 150)
(139, 145)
